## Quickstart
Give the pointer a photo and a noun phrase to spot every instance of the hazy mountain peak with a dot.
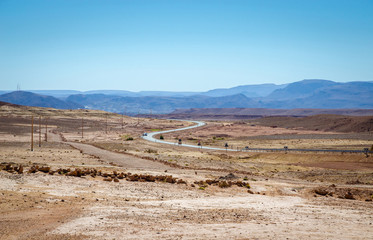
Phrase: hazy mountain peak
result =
(37, 100)
(301, 89)
(308, 93)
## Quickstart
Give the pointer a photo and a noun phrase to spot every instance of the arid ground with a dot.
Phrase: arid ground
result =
(109, 183)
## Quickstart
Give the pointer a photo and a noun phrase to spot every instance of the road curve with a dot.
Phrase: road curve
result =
(150, 136)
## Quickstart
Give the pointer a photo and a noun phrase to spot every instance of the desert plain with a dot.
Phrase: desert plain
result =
(94, 177)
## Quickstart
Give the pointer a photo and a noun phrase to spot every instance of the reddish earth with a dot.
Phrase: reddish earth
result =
(290, 196)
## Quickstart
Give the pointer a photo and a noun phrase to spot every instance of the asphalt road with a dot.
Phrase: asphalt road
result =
(150, 137)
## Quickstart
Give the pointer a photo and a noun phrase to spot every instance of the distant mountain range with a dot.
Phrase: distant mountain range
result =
(260, 90)
(251, 91)
(314, 93)
(251, 113)
(36, 100)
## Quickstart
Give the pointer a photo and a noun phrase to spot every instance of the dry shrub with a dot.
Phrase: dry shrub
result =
(224, 184)
(44, 169)
(181, 181)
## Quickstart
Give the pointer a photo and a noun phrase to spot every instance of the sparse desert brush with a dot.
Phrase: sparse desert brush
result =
(150, 151)
(180, 181)
(161, 137)
(210, 182)
(224, 184)
(121, 175)
(170, 179)
(107, 179)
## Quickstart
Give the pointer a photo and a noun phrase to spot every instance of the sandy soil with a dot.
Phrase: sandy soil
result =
(56, 206)
(291, 196)
(240, 135)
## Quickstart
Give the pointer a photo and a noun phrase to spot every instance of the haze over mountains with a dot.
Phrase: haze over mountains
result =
(36, 100)
(322, 94)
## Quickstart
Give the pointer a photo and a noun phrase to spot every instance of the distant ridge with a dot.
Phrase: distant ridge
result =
(8, 104)
(36, 100)
(275, 112)
(157, 104)
(309, 93)
(252, 113)
(258, 90)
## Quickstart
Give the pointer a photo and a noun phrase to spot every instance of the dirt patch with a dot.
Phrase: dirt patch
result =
(341, 165)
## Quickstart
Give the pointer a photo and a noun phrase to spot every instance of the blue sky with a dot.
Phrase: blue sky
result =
(182, 45)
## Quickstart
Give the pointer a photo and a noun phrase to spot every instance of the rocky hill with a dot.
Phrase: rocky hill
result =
(314, 93)
(36, 100)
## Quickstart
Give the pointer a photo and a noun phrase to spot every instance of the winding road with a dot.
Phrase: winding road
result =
(150, 137)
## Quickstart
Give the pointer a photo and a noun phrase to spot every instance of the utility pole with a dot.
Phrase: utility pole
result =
(82, 127)
(122, 121)
(32, 133)
(46, 129)
(138, 117)
(39, 131)
(106, 125)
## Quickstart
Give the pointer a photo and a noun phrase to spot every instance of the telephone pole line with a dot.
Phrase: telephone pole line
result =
(39, 131)
(46, 129)
(32, 133)
(138, 117)
(106, 125)
(122, 121)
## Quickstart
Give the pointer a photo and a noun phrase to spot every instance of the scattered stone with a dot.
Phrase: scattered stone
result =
(349, 195)
(230, 176)
(20, 169)
(321, 191)
(44, 169)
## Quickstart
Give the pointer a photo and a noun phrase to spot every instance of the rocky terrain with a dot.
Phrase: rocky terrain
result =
(109, 183)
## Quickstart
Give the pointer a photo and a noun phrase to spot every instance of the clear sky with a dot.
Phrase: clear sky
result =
(182, 45)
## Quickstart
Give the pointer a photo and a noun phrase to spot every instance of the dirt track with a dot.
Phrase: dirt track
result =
(118, 159)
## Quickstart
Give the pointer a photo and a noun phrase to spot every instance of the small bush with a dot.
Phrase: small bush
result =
(129, 139)
(150, 151)
(224, 184)
(161, 137)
